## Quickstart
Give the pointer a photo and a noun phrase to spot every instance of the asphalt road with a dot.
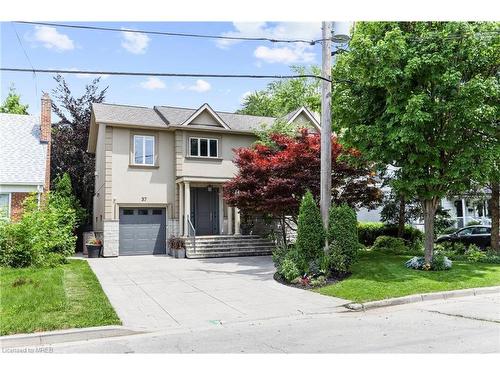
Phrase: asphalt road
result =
(461, 325)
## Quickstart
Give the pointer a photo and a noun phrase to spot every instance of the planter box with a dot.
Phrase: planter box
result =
(94, 251)
(178, 253)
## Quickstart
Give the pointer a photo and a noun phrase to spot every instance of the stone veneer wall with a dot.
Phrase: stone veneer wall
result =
(111, 238)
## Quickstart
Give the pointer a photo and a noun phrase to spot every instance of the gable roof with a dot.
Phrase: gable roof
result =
(290, 117)
(22, 155)
(205, 108)
(167, 117)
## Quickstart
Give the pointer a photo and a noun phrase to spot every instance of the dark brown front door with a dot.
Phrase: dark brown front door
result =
(205, 210)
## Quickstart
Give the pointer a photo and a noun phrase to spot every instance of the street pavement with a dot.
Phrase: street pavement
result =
(461, 325)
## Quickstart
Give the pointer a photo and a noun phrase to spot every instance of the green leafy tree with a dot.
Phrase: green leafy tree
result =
(284, 96)
(311, 235)
(12, 103)
(342, 238)
(70, 138)
(422, 97)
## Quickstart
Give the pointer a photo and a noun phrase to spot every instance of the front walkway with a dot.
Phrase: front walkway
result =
(158, 292)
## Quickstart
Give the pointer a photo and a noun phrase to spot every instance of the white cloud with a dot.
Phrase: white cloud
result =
(284, 55)
(135, 43)
(199, 86)
(153, 83)
(52, 39)
(278, 53)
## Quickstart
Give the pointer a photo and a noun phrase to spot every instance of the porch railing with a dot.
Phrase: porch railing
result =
(192, 233)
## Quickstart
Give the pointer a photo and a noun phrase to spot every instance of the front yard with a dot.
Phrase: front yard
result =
(43, 299)
(378, 276)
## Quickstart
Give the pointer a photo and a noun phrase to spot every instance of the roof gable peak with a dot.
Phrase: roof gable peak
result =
(213, 118)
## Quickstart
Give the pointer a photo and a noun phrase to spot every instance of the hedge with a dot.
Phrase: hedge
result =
(368, 232)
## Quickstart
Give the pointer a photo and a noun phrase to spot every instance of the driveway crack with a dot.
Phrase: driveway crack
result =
(464, 316)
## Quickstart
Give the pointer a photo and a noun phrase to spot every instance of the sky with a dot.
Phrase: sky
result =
(64, 48)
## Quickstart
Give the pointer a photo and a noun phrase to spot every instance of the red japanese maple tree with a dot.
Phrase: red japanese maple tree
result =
(272, 179)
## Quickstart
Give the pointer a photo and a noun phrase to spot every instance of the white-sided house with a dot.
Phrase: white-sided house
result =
(159, 172)
(24, 158)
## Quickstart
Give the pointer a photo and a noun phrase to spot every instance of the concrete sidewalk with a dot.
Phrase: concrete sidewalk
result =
(158, 292)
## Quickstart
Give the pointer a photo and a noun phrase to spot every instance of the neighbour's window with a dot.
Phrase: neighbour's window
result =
(4, 206)
(204, 147)
(144, 149)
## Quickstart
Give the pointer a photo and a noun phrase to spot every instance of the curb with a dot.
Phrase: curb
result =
(422, 297)
(66, 335)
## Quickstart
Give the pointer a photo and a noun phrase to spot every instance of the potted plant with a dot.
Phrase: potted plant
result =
(94, 247)
(177, 247)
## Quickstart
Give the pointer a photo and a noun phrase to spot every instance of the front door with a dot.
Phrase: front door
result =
(205, 210)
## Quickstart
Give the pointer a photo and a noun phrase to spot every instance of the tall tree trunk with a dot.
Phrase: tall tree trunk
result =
(495, 215)
(283, 230)
(429, 206)
(401, 216)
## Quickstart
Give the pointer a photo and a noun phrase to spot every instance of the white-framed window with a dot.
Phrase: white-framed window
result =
(204, 147)
(144, 150)
(4, 206)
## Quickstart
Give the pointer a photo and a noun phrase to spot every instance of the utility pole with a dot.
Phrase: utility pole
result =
(326, 126)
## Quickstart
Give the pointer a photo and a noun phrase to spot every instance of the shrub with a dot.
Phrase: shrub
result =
(176, 243)
(278, 255)
(448, 230)
(44, 235)
(310, 240)
(439, 263)
(474, 222)
(342, 238)
(368, 233)
(289, 269)
(474, 254)
(454, 247)
(390, 245)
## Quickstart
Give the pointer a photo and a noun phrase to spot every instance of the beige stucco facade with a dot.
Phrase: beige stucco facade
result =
(120, 183)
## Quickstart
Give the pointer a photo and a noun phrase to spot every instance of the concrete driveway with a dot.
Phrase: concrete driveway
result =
(159, 292)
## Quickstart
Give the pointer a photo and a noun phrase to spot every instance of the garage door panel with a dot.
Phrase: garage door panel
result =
(142, 234)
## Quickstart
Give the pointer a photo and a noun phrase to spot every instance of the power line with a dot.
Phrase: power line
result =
(155, 74)
(35, 78)
(168, 33)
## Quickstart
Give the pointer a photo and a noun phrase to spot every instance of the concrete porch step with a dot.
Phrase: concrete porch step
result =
(222, 254)
(227, 246)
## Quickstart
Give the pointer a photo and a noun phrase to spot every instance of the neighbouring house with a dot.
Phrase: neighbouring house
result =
(159, 172)
(24, 158)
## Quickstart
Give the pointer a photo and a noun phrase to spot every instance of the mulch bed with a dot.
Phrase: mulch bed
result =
(329, 281)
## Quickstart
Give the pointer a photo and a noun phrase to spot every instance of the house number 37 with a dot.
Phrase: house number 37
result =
(144, 199)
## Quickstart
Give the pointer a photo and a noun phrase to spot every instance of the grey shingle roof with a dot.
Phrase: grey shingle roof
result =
(126, 114)
(163, 116)
(22, 156)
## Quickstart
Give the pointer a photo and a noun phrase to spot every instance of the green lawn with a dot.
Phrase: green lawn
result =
(46, 299)
(378, 276)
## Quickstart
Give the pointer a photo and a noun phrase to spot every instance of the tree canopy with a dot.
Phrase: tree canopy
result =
(70, 136)
(422, 97)
(273, 178)
(284, 96)
(12, 103)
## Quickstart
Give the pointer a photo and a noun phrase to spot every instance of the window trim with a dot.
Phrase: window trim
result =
(9, 204)
(208, 148)
(133, 135)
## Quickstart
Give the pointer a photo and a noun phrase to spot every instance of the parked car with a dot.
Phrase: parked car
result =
(479, 235)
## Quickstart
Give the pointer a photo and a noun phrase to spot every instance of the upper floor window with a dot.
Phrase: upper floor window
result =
(204, 147)
(144, 149)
